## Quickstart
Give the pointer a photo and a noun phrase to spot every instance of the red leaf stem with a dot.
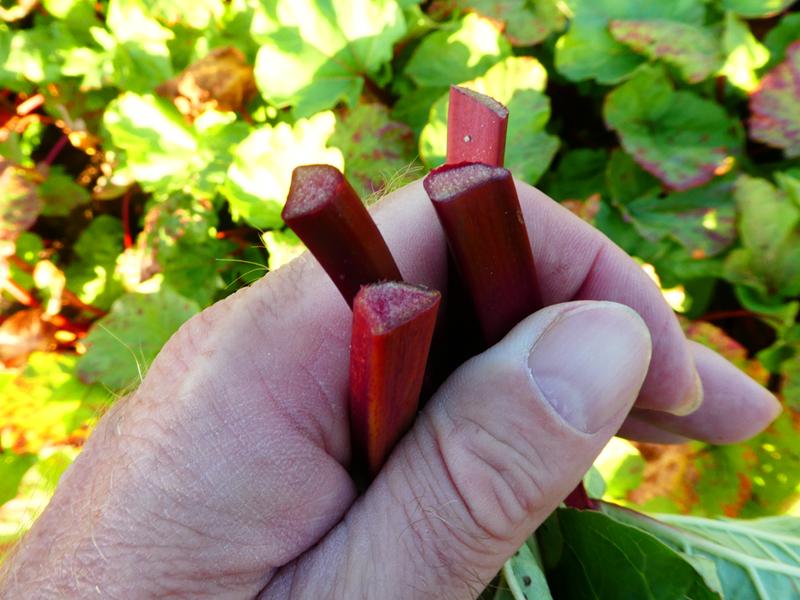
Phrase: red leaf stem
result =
(127, 238)
(476, 128)
(478, 208)
(327, 215)
(579, 498)
(52, 155)
(393, 326)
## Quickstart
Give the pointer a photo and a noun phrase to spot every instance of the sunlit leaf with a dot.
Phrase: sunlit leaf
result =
(121, 345)
(198, 14)
(516, 82)
(46, 403)
(694, 50)
(457, 54)
(320, 52)
(678, 136)
(377, 151)
(775, 107)
(259, 177)
(524, 22)
(12, 468)
(745, 54)
(283, 246)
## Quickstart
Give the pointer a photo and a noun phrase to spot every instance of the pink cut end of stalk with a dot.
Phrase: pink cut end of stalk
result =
(312, 186)
(448, 182)
(489, 102)
(389, 305)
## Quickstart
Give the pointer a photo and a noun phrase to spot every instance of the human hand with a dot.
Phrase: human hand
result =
(224, 474)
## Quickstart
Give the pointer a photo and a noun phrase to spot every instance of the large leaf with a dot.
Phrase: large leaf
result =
(46, 403)
(780, 37)
(775, 107)
(587, 554)
(517, 82)
(13, 467)
(678, 136)
(580, 173)
(198, 14)
(753, 560)
(769, 225)
(259, 177)
(588, 50)
(121, 345)
(165, 154)
(378, 152)
(756, 8)
(60, 193)
(694, 50)
(702, 219)
(319, 51)
(457, 54)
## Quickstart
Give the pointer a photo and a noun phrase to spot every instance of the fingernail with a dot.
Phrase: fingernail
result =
(590, 363)
(693, 399)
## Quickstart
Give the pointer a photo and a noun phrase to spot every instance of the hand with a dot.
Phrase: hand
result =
(224, 474)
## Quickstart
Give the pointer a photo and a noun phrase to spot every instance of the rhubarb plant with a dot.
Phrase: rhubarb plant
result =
(148, 147)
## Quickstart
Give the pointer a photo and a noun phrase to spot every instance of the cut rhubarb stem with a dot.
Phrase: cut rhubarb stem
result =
(476, 128)
(393, 326)
(327, 215)
(478, 208)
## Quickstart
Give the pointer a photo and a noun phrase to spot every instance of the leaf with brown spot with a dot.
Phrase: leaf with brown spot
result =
(222, 80)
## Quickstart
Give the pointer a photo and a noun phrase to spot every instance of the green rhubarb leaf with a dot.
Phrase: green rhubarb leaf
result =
(626, 180)
(261, 171)
(60, 193)
(283, 246)
(702, 220)
(693, 49)
(517, 82)
(46, 402)
(588, 554)
(775, 107)
(121, 345)
(456, 54)
(378, 152)
(755, 560)
(91, 274)
(34, 55)
(580, 173)
(754, 9)
(524, 22)
(524, 574)
(744, 54)
(163, 153)
(318, 53)
(589, 51)
(769, 227)
(780, 37)
(679, 137)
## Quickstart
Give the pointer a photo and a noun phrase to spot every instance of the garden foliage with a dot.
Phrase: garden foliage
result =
(146, 148)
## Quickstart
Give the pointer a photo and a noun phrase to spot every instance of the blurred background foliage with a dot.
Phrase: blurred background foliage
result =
(146, 148)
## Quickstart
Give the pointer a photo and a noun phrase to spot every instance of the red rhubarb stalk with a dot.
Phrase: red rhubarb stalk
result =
(327, 215)
(393, 326)
(478, 208)
(476, 128)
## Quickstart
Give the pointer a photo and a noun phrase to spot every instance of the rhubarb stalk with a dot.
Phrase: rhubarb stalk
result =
(327, 215)
(476, 128)
(478, 208)
(393, 326)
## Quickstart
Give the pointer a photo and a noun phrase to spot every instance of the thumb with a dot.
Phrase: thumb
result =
(500, 445)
